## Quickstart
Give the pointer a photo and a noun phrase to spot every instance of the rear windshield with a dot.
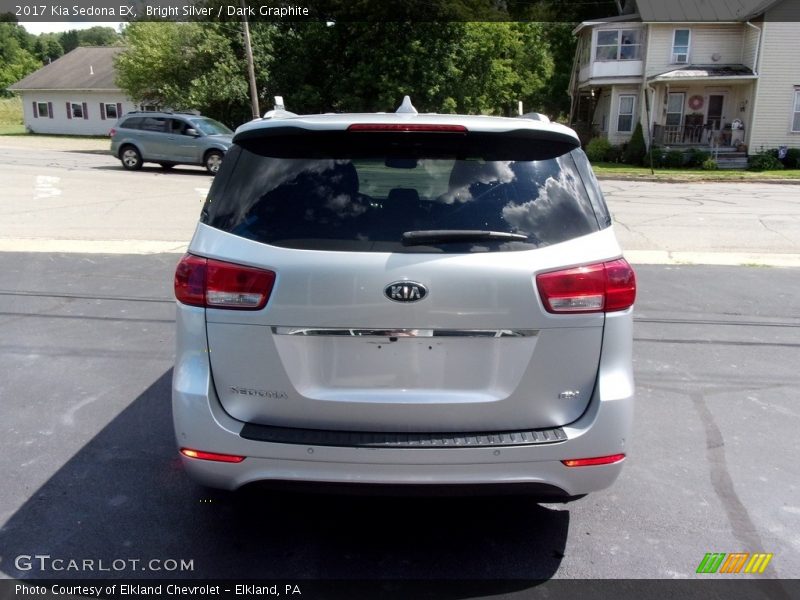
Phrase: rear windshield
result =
(333, 194)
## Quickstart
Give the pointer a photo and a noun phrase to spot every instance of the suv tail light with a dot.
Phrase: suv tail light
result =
(112, 132)
(215, 284)
(601, 287)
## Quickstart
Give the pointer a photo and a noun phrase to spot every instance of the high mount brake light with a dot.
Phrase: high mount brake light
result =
(216, 284)
(422, 127)
(601, 287)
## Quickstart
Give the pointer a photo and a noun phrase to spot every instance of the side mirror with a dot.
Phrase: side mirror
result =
(192, 132)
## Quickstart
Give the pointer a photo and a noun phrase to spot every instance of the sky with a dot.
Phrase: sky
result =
(59, 26)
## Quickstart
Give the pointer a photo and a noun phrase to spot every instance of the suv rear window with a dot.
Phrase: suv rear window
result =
(334, 193)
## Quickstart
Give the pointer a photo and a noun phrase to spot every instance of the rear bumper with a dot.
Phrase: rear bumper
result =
(202, 424)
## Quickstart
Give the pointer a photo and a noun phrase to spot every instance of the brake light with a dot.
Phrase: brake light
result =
(602, 287)
(112, 132)
(407, 127)
(199, 454)
(598, 460)
(216, 284)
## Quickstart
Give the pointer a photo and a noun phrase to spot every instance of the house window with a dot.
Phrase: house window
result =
(111, 111)
(796, 113)
(675, 104)
(619, 44)
(42, 109)
(680, 46)
(625, 114)
(77, 110)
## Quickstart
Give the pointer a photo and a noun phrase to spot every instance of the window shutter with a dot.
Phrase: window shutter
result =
(85, 111)
(50, 109)
(69, 111)
(119, 109)
(102, 111)
(35, 110)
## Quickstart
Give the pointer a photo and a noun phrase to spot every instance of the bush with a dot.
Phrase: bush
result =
(792, 159)
(764, 161)
(598, 149)
(709, 164)
(635, 151)
(697, 158)
(674, 159)
(659, 157)
(614, 154)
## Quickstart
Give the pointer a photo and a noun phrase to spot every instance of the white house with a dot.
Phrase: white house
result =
(75, 94)
(701, 73)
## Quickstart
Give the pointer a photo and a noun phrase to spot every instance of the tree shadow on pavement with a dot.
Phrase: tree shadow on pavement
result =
(125, 496)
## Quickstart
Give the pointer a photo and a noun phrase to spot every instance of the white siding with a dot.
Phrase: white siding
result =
(620, 137)
(779, 76)
(750, 46)
(60, 124)
(705, 41)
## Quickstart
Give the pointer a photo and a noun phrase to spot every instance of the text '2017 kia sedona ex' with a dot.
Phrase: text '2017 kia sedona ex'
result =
(405, 299)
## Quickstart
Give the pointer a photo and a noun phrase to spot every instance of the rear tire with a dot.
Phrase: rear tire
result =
(131, 158)
(212, 161)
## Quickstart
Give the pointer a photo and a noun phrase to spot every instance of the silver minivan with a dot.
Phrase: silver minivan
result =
(169, 139)
(405, 299)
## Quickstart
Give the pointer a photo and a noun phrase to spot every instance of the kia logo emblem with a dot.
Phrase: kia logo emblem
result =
(405, 291)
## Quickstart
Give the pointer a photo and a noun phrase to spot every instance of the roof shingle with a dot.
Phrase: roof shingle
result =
(85, 68)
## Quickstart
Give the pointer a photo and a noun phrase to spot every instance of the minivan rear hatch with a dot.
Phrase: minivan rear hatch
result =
(404, 296)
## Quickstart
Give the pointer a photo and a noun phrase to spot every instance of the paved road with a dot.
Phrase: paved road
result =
(61, 201)
(88, 459)
(90, 469)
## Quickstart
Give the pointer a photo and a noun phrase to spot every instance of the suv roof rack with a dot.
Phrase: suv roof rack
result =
(165, 112)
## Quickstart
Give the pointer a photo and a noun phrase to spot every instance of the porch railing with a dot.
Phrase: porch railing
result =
(671, 135)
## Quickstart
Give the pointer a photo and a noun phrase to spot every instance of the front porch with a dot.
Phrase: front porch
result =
(709, 107)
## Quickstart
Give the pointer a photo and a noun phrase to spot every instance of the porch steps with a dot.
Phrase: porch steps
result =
(730, 159)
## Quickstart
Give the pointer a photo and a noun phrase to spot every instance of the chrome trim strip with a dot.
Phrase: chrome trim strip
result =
(410, 333)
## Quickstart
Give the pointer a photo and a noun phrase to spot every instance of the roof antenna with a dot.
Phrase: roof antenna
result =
(406, 107)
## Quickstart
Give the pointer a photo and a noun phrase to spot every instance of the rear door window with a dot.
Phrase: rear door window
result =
(132, 123)
(365, 198)
(156, 124)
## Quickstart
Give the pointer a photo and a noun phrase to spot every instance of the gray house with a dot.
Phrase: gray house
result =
(75, 94)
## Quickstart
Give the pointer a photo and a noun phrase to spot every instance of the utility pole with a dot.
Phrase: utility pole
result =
(251, 70)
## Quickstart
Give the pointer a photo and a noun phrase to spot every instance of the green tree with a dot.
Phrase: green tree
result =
(69, 40)
(16, 61)
(98, 36)
(185, 66)
(47, 48)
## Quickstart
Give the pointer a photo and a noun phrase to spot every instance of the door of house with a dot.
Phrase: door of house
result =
(714, 111)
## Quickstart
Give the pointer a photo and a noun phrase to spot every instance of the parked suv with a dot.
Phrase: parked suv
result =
(169, 139)
(405, 299)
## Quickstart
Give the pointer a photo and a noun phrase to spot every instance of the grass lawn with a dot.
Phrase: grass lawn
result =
(11, 116)
(610, 170)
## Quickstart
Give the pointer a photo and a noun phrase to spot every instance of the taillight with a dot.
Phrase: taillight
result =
(597, 460)
(112, 132)
(600, 287)
(199, 454)
(215, 284)
(407, 127)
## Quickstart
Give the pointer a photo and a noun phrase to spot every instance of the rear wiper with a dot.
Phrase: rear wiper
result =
(439, 236)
